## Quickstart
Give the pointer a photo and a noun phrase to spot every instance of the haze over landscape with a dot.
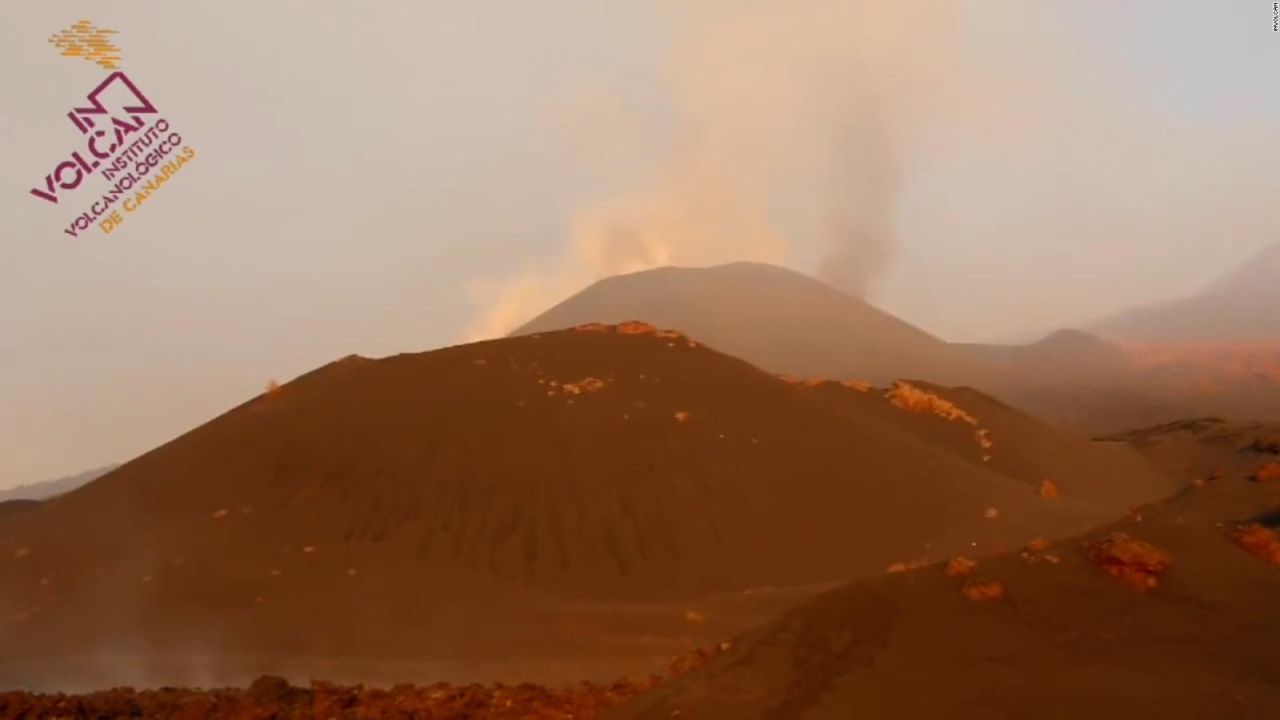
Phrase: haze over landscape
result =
(618, 360)
(1064, 163)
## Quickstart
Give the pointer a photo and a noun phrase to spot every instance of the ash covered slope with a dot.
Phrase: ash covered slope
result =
(447, 484)
(1011, 443)
(1066, 639)
(775, 318)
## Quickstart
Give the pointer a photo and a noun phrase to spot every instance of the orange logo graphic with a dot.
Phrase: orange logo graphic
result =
(89, 42)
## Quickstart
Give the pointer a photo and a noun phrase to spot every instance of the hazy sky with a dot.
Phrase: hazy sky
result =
(396, 176)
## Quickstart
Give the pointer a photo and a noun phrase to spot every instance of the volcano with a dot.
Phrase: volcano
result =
(457, 503)
(788, 323)
(775, 318)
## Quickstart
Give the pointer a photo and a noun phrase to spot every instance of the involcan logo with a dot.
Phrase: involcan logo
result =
(125, 141)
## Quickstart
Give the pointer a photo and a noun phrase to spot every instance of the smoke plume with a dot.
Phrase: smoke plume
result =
(815, 95)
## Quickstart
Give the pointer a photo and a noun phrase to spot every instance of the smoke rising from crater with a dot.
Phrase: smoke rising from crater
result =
(813, 99)
(1009, 161)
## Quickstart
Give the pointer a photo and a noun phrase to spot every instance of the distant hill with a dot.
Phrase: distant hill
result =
(1243, 306)
(1079, 380)
(777, 319)
(49, 488)
(456, 503)
(1216, 351)
(1083, 381)
(1065, 354)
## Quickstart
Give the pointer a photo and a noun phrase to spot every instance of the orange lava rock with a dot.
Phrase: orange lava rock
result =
(899, 567)
(1258, 541)
(983, 590)
(1048, 489)
(694, 617)
(635, 327)
(1267, 473)
(1138, 564)
(273, 387)
(681, 416)
(913, 399)
(983, 437)
(959, 566)
(1038, 545)
(804, 382)
(585, 385)
(1034, 553)
(859, 385)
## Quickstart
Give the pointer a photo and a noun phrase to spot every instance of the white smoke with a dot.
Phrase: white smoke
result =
(815, 97)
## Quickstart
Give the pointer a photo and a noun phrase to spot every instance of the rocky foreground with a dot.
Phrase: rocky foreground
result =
(273, 698)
